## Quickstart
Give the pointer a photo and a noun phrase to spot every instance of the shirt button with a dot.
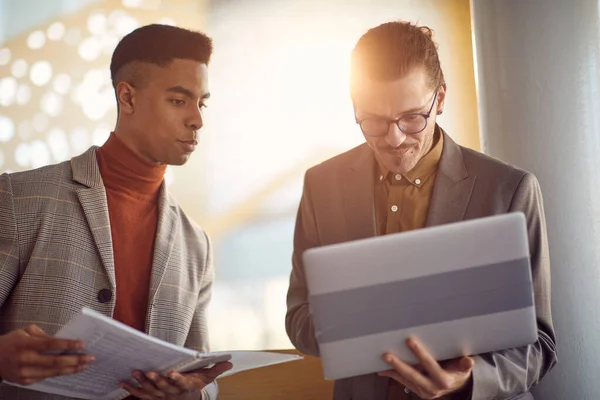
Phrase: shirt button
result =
(394, 208)
(380, 177)
(418, 181)
(406, 390)
(398, 177)
(104, 296)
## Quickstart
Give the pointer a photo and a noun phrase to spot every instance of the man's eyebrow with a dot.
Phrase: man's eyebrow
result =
(186, 92)
(181, 90)
(416, 110)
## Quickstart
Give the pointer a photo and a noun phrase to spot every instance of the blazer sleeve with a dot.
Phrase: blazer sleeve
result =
(502, 374)
(197, 338)
(298, 320)
(9, 247)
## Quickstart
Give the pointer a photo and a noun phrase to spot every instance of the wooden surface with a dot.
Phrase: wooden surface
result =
(301, 379)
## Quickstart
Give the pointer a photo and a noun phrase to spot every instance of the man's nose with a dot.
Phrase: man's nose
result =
(395, 137)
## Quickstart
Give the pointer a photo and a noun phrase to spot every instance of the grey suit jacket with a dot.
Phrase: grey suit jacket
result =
(337, 206)
(56, 255)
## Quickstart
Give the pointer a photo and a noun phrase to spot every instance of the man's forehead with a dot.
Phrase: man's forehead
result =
(193, 79)
(391, 97)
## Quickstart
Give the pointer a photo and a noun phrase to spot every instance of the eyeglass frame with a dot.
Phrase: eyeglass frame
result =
(397, 120)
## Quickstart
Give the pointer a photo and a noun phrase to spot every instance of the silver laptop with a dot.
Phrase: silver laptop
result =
(462, 289)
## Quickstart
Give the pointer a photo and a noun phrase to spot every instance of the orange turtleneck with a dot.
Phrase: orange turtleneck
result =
(132, 189)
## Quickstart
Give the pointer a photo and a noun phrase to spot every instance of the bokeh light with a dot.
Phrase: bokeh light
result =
(36, 40)
(56, 31)
(7, 129)
(40, 73)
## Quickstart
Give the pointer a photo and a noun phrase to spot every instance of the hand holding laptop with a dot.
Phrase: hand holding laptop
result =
(429, 379)
(472, 295)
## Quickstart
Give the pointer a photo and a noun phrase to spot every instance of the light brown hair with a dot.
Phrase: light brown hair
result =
(393, 49)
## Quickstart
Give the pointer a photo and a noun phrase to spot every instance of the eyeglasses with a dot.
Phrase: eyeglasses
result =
(407, 123)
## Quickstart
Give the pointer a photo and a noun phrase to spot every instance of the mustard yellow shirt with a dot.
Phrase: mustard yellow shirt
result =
(402, 201)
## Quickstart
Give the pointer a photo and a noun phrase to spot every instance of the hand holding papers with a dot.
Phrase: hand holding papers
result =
(119, 350)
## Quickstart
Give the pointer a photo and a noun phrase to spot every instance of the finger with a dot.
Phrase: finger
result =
(462, 365)
(53, 344)
(147, 386)
(35, 331)
(430, 364)
(187, 382)
(466, 364)
(200, 377)
(410, 376)
(165, 385)
(215, 370)
(55, 362)
(35, 374)
(134, 391)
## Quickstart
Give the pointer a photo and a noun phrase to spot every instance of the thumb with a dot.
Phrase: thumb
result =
(221, 367)
(466, 364)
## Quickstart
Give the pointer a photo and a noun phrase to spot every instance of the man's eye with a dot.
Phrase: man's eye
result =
(411, 117)
(202, 105)
(178, 102)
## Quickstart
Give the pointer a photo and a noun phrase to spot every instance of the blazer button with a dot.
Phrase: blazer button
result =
(104, 296)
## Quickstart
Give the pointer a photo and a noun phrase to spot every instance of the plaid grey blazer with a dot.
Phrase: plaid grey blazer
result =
(56, 256)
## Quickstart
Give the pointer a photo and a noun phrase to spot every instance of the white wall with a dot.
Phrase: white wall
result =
(537, 76)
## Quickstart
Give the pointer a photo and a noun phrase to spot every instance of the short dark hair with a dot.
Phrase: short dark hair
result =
(159, 45)
(391, 50)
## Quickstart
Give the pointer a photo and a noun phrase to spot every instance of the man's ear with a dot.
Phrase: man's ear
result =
(441, 99)
(126, 97)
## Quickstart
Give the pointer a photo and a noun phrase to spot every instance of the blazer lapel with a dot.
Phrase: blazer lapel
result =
(358, 199)
(453, 186)
(95, 207)
(168, 223)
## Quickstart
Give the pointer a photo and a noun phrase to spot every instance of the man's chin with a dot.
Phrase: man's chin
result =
(180, 159)
(399, 166)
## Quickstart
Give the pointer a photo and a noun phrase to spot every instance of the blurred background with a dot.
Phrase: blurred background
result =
(279, 105)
